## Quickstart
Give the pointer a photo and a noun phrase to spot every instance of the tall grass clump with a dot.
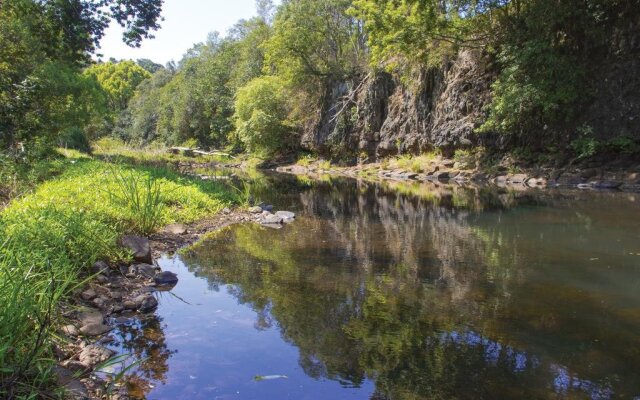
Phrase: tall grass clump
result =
(52, 236)
(142, 195)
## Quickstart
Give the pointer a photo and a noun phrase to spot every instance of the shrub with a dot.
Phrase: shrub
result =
(74, 138)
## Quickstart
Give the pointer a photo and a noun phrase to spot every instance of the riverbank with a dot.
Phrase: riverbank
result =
(117, 294)
(55, 240)
(464, 172)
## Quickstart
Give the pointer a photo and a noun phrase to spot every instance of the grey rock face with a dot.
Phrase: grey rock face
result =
(440, 108)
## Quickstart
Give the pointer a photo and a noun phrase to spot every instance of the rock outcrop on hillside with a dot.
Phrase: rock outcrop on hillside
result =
(384, 114)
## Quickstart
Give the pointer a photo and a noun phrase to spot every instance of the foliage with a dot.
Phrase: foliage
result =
(149, 66)
(261, 117)
(118, 80)
(422, 31)
(315, 39)
(43, 44)
(545, 52)
(143, 110)
(63, 227)
(417, 163)
(196, 100)
(141, 197)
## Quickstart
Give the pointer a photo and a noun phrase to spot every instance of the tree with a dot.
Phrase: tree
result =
(44, 40)
(421, 31)
(261, 116)
(149, 65)
(119, 81)
(315, 40)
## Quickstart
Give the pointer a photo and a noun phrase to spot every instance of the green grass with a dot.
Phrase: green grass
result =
(116, 150)
(53, 234)
(413, 163)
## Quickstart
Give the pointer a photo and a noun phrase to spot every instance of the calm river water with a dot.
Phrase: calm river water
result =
(403, 291)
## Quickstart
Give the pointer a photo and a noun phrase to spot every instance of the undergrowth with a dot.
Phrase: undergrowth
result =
(51, 235)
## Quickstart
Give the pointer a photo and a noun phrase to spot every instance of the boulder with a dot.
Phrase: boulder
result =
(166, 278)
(139, 247)
(517, 178)
(70, 330)
(256, 210)
(606, 185)
(448, 163)
(100, 267)
(271, 219)
(287, 216)
(479, 177)
(74, 389)
(95, 329)
(266, 207)
(90, 316)
(410, 175)
(146, 303)
(442, 175)
(93, 354)
(88, 294)
(145, 270)
(129, 305)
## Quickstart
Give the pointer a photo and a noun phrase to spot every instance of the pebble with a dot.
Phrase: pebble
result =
(89, 294)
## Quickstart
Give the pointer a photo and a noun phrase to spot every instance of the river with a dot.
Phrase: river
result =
(402, 291)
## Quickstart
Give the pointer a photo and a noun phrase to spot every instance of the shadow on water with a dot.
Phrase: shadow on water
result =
(407, 291)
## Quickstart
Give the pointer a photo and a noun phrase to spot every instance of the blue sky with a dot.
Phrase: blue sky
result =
(186, 22)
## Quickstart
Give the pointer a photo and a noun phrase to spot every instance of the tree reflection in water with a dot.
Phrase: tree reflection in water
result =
(437, 292)
(144, 341)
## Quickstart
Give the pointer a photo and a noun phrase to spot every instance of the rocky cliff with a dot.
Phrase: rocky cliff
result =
(383, 114)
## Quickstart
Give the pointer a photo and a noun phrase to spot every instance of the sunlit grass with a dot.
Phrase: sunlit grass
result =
(66, 224)
(417, 164)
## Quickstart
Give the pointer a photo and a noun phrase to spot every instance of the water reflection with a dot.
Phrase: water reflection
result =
(147, 363)
(433, 292)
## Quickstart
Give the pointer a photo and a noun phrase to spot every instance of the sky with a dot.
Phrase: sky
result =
(186, 22)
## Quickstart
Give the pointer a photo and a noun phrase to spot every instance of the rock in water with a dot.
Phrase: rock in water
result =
(73, 387)
(95, 329)
(287, 216)
(94, 354)
(139, 246)
(146, 303)
(166, 278)
(271, 219)
(146, 270)
(610, 185)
